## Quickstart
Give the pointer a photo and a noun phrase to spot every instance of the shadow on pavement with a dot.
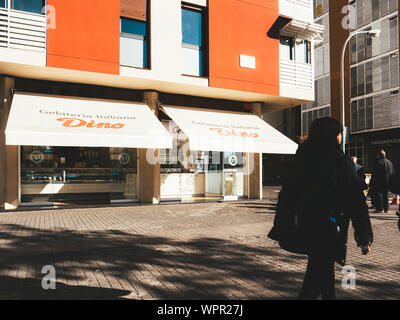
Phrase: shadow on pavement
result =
(30, 289)
(95, 263)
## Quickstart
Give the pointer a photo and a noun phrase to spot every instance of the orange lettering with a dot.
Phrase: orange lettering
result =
(244, 134)
(221, 132)
(72, 122)
(118, 126)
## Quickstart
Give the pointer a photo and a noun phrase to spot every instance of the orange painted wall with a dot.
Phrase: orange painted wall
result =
(86, 36)
(240, 27)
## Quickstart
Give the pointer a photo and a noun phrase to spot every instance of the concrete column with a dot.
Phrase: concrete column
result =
(149, 164)
(9, 155)
(253, 167)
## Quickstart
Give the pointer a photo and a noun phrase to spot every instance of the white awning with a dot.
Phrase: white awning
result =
(302, 30)
(229, 132)
(43, 120)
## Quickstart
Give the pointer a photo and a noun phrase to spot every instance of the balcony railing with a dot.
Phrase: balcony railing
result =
(303, 3)
(297, 74)
(22, 30)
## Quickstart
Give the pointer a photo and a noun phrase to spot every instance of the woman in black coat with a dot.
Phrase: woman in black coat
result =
(323, 186)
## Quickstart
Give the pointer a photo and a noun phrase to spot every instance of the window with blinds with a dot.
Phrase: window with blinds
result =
(377, 112)
(376, 75)
(309, 116)
(393, 33)
(364, 47)
(368, 77)
(375, 10)
(360, 80)
(134, 34)
(353, 81)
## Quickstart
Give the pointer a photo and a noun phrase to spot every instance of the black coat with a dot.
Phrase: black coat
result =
(324, 184)
(381, 173)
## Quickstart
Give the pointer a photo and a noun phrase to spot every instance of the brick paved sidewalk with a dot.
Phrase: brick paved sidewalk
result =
(176, 251)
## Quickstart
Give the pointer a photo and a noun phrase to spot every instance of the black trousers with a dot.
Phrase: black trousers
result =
(319, 278)
(382, 201)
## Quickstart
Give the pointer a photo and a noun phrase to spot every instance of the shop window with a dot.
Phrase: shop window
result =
(193, 41)
(286, 48)
(134, 43)
(77, 173)
(33, 6)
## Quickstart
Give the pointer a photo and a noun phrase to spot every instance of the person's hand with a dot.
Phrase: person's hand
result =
(366, 249)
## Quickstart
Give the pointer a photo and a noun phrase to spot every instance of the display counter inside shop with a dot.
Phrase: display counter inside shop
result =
(177, 184)
(78, 180)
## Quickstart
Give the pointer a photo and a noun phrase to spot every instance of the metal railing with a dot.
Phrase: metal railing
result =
(303, 3)
(296, 73)
(22, 30)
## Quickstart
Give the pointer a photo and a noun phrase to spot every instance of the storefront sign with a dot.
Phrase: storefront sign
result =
(226, 133)
(48, 150)
(229, 132)
(380, 142)
(36, 156)
(124, 158)
(80, 122)
(233, 161)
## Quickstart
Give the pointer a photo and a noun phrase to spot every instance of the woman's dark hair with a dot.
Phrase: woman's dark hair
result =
(323, 133)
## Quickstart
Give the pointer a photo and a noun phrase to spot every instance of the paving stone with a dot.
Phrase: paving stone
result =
(175, 251)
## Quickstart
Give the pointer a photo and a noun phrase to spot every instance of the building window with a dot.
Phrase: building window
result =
(303, 51)
(356, 149)
(296, 49)
(134, 43)
(33, 6)
(3, 3)
(193, 41)
(286, 48)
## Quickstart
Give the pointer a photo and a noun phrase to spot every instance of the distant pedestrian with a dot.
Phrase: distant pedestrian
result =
(361, 173)
(381, 173)
(318, 200)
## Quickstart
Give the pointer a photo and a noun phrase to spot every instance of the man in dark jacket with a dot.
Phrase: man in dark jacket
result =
(360, 173)
(381, 173)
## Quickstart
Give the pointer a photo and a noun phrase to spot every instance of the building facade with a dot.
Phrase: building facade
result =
(371, 75)
(118, 100)
(374, 81)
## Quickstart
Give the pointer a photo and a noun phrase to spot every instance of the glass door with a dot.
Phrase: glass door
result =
(233, 177)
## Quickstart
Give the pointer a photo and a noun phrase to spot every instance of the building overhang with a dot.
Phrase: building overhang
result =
(289, 27)
(270, 102)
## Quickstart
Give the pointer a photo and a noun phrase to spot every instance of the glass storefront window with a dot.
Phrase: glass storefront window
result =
(58, 173)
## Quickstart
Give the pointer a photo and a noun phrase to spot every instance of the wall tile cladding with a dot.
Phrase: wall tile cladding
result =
(240, 27)
(86, 36)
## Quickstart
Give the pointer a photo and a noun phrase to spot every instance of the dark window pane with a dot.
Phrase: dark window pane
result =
(34, 6)
(286, 48)
(361, 114)
(369, 113)
(2, 3)
(191, 27)
(133, 27)
(353, 81)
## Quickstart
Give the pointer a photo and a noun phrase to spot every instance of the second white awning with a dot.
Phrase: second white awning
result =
(229, 132)
(44, 120)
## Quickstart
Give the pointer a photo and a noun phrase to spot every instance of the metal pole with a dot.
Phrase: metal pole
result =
(342, 86)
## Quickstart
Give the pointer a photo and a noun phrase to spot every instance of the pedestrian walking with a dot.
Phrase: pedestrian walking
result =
(361, 173)
(381, 173)
(315, 206)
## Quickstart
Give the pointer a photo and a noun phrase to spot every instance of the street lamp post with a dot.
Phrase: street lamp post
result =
(372, 33)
